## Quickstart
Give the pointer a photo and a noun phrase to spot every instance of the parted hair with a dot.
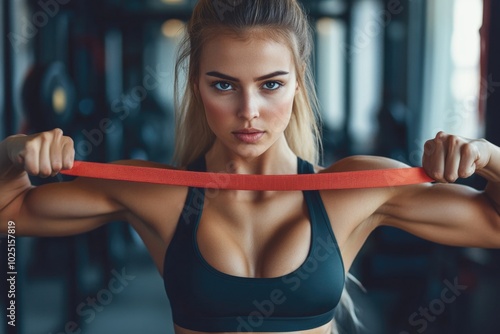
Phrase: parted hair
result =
(281, 20)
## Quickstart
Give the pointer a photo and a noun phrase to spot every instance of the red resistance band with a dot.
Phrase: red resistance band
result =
(321, 181)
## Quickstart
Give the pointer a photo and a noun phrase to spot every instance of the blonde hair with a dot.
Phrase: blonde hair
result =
(284, 21)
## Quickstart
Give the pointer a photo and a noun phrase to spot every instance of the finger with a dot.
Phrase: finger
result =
(45, 165)
(68, 153)
(453, 157)
(55, 151)
(469, 156)
(429, 148)
(434, 157)
(30, 156)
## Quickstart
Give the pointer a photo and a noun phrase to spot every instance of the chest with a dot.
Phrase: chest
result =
(224, 262)
(259, 238)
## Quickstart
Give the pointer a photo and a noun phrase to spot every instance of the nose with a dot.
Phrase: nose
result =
(249, 107)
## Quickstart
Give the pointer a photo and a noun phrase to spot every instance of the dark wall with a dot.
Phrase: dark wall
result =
(493, 76)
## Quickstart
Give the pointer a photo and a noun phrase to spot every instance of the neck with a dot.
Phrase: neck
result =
(278, 159)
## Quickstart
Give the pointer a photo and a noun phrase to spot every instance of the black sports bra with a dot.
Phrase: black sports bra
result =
(207, 300)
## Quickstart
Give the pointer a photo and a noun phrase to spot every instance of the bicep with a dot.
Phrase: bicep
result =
(62, 209)
(449, 214)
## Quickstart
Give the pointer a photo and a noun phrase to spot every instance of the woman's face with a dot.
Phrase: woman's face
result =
(247, 88)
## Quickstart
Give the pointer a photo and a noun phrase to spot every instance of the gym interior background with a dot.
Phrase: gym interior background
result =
(390, 74)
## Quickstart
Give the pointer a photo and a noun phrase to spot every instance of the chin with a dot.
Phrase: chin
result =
(249, 152)
(239, 150)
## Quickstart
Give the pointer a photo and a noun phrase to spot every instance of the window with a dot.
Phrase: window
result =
(452, 73)
(367, 38)
(331, 71)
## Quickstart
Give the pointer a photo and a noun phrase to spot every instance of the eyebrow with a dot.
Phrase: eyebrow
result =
(264, 77)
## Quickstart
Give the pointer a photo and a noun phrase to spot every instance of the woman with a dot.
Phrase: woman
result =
(238, 261)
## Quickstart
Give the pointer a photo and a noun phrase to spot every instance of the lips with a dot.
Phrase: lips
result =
(249, 136)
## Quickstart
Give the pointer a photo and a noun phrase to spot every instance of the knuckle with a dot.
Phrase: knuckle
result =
(468, 150)
(45, 136)
(57, 132)
(30, 168)
(453, 142)
(30, 147)
(456, 140)
(429, 147)
(45, 171)
(69, 141)
(441, 135)
(451, 177)
(463, 173)
(68, 164)
(56, 166)
(436, 175)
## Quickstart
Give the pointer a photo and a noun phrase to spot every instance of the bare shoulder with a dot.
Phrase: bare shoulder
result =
(133, 193)
(361, 162)
(152, 209)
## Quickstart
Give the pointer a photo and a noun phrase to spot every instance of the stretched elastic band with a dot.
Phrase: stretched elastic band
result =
(321, 181)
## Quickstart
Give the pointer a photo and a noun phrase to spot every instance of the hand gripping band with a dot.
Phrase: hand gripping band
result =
(321, 181)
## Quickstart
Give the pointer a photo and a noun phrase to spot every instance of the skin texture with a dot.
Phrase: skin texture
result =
(254, 236)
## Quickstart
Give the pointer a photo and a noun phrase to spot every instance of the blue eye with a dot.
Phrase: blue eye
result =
(272, 85)
(223, 86)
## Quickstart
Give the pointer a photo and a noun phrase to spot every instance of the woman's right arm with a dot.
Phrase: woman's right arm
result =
(56, 209)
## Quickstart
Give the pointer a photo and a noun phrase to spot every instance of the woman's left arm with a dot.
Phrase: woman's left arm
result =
(449, 213)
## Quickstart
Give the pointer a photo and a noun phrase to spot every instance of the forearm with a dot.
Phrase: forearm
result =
(491, 172)
(13, 180)
(7, 169)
